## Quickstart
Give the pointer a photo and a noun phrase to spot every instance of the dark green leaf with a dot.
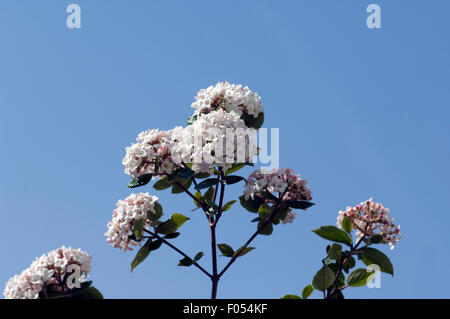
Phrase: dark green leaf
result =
(334, 234)
(376, 239)
(140, 181)
(335, 251)
(185, 173)
(351, 262)
(359, 277)
(209, 194)
(141, 254)
(162, 183)
(233, 179)
(89, 293)
(206, 183)
(138, 228)
(178, 190)
(257, 219)
(264, 211)
(323, 278)
(299, 204)
(254, 122)
(172, 235)
(153, 216)
(243, 251)
(307, 291)
(347, 225)
(374, 256)
(234, 167)
(186, 261)
(290, 297)
(228, 205)
(201, 175)
(252, 205)
(226, 250)
(267, 230)
(269, 196)
(198, 256)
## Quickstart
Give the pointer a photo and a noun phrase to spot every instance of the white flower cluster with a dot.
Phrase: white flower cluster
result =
(49, 270)
(141, 157)
(121, 228)
(289, 217)
(368, 217)
(230, 97)
(282, 181)
(216, 139)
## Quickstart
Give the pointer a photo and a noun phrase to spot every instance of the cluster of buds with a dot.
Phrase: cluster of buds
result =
(370, 218)
(130, 216)
(50, 272)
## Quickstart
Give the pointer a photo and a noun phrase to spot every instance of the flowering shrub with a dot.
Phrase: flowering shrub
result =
(200, 160)
(61, 273)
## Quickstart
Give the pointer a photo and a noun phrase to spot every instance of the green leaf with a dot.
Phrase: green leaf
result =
(360, 277)
(290, 297)
(140, 181)
(233, 179)
(226, 250)
(323, 278)
(162, 183)
(198, 256)
(376, 239)
(157, 214)
(138, 228)
(156, 164)
(234, 167)
(206, 183)
(171, 225)
(243, 251)
(209, 194)
(266, 230)
(341, 278)
(178, 190)
(202, 175)
(335, 251)
(185, 173)
(280, 214)
(186, 261)
(374, 256)
(257, 219)
(347, 225)
(252, 205)
(141, 254)
(228, 205)
(334, 234)
(89, 293)
(254, 122)
(172, 235)
(307, 291)
(299, 204)
(351, 262)
(264, 211)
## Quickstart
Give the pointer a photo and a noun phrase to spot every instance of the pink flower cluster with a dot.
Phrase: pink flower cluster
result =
(283, 181)
(370, 218)
(141, 157)
(51, 270)
(130, 210)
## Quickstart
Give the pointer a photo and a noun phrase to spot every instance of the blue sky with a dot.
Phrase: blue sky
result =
(361, 113)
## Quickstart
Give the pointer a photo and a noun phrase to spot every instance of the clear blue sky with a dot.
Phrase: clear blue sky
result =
(361, 113)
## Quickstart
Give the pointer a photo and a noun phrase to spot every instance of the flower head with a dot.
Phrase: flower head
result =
(216, 139)
(281, 183)
(229, 97)
(50, 271)
(370, 218)
(130, 212)
(140, 157)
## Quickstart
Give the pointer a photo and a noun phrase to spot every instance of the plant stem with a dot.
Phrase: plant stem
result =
(263, 225)
(179, 251)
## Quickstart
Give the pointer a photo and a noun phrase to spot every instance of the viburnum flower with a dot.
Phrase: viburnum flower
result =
(370, 218)
(50, 271)
(289, 217)
(229, 97)
(141, 157)
(216, 139)
(279, 182)
(130, 213)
